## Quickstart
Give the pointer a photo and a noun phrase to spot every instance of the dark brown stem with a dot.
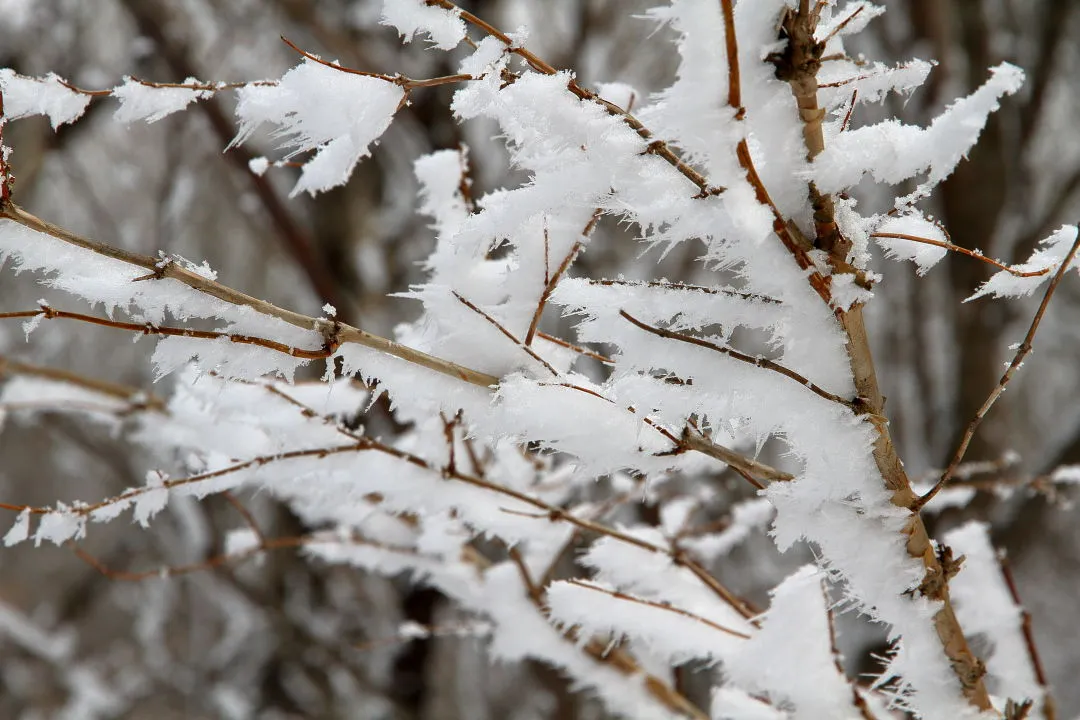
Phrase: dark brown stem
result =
(758, 362)
(1017, 361)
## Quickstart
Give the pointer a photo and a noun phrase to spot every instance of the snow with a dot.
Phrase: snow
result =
(986, 607)
(444, 28)
(26, 96)
(790, 659)
(315, 108)
(892, 152)
(924, 255)
(1046, 259)
(140, 101)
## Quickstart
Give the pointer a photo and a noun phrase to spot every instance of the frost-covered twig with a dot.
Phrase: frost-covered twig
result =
(50, 313)
(553, 280)
(509, 335)
(606, 652)
(759, 362)
(656, 147)
(962, 250)
(1017, 361)
(263, 546)
(166, 269)
(135, 397)
(657, 605)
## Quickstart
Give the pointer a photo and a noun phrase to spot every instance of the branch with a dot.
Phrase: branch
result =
(758, 362)
(1048, 706)
(513, 338)
(227, 558)
(666, 285)
(296, 240)
(336, 331)
(799, 64)
(963, 251)
(741, 463)
(135, 396)
(655, 147)
(551, 282)
(405, 83)
(659, 606)
(50, 313)
(608, 655)
(1017, 361)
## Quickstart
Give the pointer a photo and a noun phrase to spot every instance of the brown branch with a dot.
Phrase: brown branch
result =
(666, 285)
(740, 463)
(1048, 706)
(337, 331)
(513, 338)
(249, 519)
(1017, 361)
(843, 24)
(547, 510)
(549, 287)
(798, 64)
(50, 313)
(658, 606)
(579, 350)
(405, 83)
(655, 146)
(226, 558)
(758, 362)
(150, 20)
(606, 654)
(961, 250)
(135, 396)
(856, 697)
(552, 281)
(731, 47)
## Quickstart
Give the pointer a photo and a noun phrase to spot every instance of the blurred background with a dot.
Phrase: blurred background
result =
(288, 639)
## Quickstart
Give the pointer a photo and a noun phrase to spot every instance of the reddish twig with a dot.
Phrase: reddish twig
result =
(135, 396)
(50, 313)
(1017, 361)
(1048, 705)
(405, 83)
(658, 606)
(513, 338)
(759, 362)
(963, 251)
(656, 147)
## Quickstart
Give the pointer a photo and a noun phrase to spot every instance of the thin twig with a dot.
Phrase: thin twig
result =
(856, 697)
(405, 83)
(740, 463)
(1048, 706)
(247, 516)
(655, 147)
(667, 285)
(605, 653)
(551, 282)
(659, 606)
(342, 332)
(576, 348)
(963, 251)
(226, 558)
(1017, 361)
(758, 362)
(50, 313)
(513, 338)
(135, 396)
